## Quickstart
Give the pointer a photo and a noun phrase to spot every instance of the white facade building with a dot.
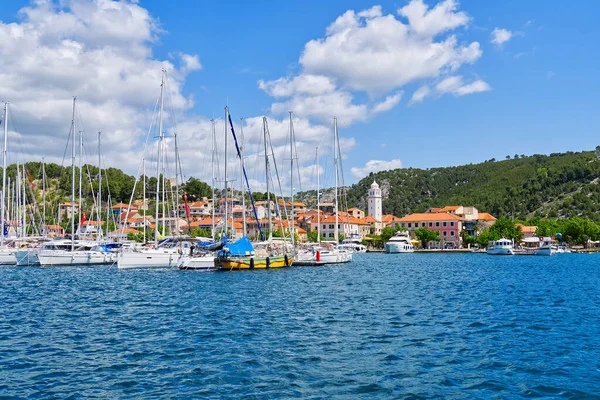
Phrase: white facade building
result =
(375, 201)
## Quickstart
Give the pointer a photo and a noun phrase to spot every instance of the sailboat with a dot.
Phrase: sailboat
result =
(202, 257)
(7, 254)
(329, 252)
(241, 254)
(166, 253)
(74, 252)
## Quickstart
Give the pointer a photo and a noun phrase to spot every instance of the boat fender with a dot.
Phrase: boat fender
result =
(318, 255)
(286, 260)
(252, 263)
(268, 262)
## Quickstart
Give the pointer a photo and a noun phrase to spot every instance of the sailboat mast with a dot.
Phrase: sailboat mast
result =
(291, 222)
(213, 179)
(43, 198)
(4, 154)
(225, 124)
(80, 177)
(270, 239)
(73, 177)
(24, 200)
(318, 200)
(99, 228)
(242, 190)
(159, 147)
(335, 164)
(18, 201)
(144, 197)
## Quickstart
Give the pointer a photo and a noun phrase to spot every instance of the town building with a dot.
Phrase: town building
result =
(446, 224)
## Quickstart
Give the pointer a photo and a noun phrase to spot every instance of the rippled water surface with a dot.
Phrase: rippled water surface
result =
(384, 326)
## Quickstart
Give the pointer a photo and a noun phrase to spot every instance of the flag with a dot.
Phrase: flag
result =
(30, 179)
(187, 207)
(83, 217)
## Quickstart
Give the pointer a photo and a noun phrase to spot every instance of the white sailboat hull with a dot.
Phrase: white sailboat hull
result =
(27, 257)
(500, 251)
(204, 263)
(148, 259)
(7, 257)
(61, 257)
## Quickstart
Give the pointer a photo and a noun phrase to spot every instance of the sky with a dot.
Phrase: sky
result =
(412, 83)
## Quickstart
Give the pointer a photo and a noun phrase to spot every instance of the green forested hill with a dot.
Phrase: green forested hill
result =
(558, 185)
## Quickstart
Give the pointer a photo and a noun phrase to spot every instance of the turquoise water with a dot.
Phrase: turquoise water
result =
(384, 326)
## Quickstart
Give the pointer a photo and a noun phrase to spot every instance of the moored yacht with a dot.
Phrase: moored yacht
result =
(353, 244)
(399, 243)
(500, 247)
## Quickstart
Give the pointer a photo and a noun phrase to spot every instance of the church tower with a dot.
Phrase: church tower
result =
(375, 201)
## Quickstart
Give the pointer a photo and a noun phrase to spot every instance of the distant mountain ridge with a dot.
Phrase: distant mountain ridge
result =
(555, 185)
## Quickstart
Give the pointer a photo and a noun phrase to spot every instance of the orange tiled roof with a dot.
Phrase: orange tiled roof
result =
(527, 229)
(485, 217)
(91, 222)
(370, 219)
(300, 231)
(389, 218)
(343, 220)
(54, 227)
(430, 217)
(123, 205)
(450, 208)
(126, 230)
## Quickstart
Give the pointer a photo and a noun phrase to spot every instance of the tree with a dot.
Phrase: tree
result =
(313, 236)
(426, 236)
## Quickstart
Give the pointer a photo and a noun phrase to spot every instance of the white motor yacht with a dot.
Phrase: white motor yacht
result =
(500, 247)
(399, 243)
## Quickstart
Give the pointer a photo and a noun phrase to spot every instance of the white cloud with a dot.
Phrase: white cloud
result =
(387, 104)
(372, 52)
(431, 22)
(375, 166)
(99, 51)
(306, 84)
(420, 94)
(501, 36)
(455, 85)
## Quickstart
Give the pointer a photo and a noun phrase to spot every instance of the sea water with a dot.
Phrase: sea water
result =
(383, 326)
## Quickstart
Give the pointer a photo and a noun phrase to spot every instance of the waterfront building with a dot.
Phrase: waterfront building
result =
(446, 224)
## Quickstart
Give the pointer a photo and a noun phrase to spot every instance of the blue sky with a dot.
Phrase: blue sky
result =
(540, 94)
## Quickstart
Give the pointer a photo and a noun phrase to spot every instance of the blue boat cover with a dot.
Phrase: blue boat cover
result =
(241, 247)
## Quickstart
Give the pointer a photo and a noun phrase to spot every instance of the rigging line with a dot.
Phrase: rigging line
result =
(137, 177)
(277, 174)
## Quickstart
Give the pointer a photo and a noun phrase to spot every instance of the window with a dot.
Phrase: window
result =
(451, 223)
(423, 224)
(324, 226)
(331, 226)
(331, 235)
(444, 233)
(403, 224)
(430, 224)
(443, 223)
(409, 224)
(437, 224)
(339, 226)
(451, 233)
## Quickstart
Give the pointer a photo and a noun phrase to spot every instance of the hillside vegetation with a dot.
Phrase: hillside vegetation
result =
(547, 186)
